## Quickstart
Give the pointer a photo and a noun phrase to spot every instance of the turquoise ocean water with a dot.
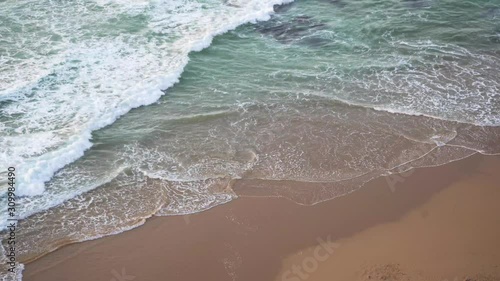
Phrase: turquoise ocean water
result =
(115, 110)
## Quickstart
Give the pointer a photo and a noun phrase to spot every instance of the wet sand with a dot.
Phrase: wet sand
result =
(256, 238)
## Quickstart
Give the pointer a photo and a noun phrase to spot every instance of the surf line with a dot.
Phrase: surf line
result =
(12, 219)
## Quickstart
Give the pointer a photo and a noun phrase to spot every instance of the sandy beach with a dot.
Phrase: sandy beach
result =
(438, 223)
(453, 236)
(249, 140)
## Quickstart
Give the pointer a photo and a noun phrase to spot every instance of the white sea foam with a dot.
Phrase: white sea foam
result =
(84, 73)
(16, 275)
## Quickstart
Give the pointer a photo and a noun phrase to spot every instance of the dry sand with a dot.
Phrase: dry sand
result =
(455, 236)
(439, 222)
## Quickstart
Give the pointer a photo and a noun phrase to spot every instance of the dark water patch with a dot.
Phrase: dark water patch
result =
(283, 8)
(292, 30)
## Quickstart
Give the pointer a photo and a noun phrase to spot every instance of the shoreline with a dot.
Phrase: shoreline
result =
(245, 236)
(451, 237)
(252, 188)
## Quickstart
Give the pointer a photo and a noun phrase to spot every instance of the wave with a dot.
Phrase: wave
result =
(94, 81)
(493, 121)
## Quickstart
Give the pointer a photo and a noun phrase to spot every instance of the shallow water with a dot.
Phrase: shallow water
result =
(332, 93)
